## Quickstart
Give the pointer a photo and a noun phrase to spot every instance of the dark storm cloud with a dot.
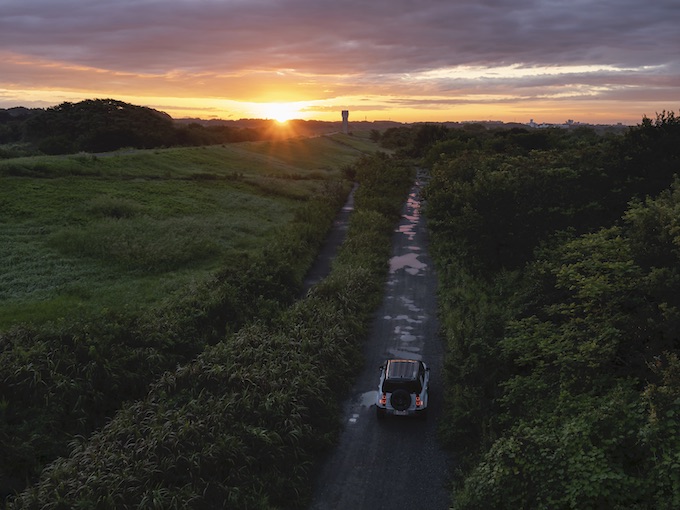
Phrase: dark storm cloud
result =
(351, 36)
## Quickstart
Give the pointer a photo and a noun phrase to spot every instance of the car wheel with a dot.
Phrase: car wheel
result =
(400, 400)
(380, 413)
(422, 414)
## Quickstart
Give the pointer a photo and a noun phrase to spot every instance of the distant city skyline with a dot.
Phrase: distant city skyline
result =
(598, 61)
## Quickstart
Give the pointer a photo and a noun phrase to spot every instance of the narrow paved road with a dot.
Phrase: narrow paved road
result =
(395, 463)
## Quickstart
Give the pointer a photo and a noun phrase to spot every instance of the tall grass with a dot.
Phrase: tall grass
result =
(106, 307)
(128, 243)
(141, 244)
(243, 424)
(130, 228)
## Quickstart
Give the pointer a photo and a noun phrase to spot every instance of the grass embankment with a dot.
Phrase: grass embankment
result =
(242, 425)
(119, 267)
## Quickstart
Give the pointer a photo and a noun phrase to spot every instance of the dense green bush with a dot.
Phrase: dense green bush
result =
(558, 259)
(66, 378)
(242, 424)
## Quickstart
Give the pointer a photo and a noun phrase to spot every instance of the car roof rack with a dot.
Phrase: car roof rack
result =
(402, 369)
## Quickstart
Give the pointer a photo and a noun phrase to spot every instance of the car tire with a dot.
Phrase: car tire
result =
(422, 414)
(380, 413)
(400, 400)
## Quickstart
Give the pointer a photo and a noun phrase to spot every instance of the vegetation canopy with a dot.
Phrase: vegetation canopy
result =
(557, 252)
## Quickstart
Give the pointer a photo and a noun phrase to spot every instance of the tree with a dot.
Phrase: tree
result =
(102, 125)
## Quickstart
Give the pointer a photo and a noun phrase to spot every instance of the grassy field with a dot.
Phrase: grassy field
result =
(84, 233)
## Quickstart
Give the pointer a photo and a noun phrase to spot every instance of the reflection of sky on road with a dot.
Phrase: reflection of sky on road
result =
(410, 217)
(363, 400)
(408, 344)
(407, 316)
(408, 263)
(367, 399)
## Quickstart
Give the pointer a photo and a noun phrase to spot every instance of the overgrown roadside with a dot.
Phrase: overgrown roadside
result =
(66, 379)
(241, 425)
(66, 375)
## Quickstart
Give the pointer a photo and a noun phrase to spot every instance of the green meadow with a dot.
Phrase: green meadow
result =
(85, 233)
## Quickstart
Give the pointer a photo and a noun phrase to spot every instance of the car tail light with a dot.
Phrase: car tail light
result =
(383, 399)
(419, 403)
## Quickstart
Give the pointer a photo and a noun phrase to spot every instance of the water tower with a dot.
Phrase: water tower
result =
(345, 118)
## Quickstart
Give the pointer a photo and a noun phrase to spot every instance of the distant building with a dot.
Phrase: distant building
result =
(345, 119)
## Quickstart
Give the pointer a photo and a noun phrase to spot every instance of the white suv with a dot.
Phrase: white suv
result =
(403, 388)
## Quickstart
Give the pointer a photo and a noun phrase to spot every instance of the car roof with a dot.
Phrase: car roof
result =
(402, 369)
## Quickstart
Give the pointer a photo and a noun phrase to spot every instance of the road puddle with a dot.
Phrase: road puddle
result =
(410, 218)
(407, 337)
(408, 263)
(406, 353)
(367, 399)
(411, 307)
(408, 230)
(413, 203)
(406, 318)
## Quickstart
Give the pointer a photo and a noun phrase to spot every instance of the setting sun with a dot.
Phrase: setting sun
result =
(284, 60)
(280, 112)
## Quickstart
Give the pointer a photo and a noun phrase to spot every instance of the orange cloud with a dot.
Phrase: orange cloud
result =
(399, 59)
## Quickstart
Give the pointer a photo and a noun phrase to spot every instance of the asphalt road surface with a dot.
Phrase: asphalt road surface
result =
(395, 463)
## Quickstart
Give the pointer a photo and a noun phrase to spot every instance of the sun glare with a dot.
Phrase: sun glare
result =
(280, 112)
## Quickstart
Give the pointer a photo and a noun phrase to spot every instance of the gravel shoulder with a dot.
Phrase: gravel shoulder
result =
(394, 463)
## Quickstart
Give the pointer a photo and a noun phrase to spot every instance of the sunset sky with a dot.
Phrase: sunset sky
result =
(597, 61)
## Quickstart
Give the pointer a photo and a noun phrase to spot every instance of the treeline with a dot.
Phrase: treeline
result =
(242, 425)
(558, 254)
(102, 125)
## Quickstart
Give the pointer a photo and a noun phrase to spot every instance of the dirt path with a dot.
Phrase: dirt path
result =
(394, 463)
(322, 266)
